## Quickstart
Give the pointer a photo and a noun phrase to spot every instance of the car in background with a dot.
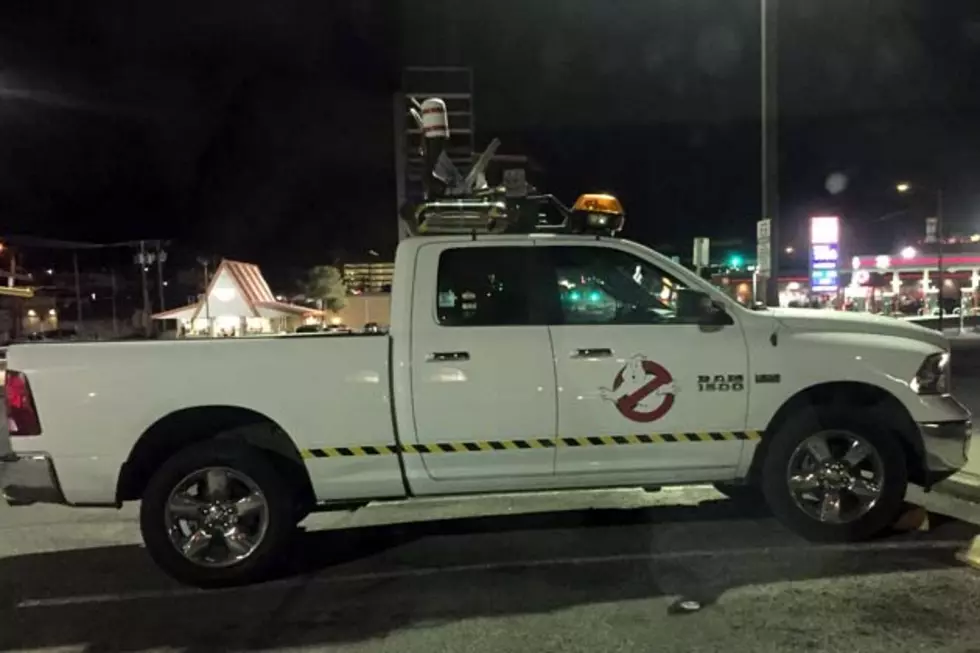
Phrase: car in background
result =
(310, 328)
(51, 335)
(323, 328)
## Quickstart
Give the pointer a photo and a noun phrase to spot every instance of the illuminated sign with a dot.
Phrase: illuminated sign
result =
(825, 230)
(824, 254)
(824, 281)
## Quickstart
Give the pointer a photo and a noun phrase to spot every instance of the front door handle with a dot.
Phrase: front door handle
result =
(445, 356)
(592, 352)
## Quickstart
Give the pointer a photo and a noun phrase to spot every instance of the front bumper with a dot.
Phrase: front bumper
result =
(945, 445)
(27, 478)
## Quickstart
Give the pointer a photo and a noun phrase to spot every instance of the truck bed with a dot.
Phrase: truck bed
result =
(322, 390)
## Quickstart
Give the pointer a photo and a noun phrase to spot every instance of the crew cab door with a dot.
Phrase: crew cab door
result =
(483, 376)
(644, 393)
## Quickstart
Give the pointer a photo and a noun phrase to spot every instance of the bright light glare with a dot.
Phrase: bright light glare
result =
(908, 252)
(903, 187)
(825, 230)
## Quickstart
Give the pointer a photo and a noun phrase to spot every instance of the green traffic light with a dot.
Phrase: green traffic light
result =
(594, 296)
(574, 296)
(735, 261)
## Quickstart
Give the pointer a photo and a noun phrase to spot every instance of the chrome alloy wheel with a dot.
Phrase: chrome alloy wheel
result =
(216, 517)
(835, 477)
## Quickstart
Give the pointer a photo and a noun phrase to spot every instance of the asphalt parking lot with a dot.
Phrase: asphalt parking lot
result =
(584, 571)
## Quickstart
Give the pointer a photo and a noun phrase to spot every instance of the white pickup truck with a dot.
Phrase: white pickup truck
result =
(513, 363)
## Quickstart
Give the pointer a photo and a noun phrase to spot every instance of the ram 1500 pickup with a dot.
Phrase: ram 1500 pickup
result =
(513, 363)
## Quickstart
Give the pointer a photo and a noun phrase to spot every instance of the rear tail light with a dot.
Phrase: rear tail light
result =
(21, 414)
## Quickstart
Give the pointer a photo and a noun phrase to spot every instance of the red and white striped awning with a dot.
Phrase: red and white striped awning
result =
(253, 288)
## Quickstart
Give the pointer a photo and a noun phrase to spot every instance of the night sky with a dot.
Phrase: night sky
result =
(263, 130)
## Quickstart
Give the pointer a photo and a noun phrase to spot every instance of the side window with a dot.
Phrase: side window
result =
(599, 285)
(483, 286)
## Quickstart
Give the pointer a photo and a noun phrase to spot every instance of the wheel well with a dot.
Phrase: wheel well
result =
(864, 396)
(188, 426)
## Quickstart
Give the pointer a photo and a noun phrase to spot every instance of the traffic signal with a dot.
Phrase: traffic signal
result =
(735, 261)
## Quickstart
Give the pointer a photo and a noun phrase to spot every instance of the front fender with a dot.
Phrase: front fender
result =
(802, 360)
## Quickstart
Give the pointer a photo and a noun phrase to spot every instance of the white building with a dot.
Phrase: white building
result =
(238, 301)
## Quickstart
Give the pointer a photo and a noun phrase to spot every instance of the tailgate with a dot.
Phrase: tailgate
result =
(6, 448)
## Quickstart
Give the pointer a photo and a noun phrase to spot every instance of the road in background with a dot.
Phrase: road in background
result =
(966, 370)
(966, 385)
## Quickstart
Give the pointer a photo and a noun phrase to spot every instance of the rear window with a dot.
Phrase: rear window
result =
(483, 286)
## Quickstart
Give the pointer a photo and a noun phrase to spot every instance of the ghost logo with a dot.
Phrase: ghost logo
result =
(643, 391)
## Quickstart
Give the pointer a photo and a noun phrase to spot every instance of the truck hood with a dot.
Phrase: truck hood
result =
(809, 319)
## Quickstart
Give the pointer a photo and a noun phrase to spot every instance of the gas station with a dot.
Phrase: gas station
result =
(908, 283)
(901, 283)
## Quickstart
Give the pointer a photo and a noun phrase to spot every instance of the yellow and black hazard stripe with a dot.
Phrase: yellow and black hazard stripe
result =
(480, 446)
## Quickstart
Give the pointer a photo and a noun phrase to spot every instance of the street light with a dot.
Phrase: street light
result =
(908, 252)
(905, 187)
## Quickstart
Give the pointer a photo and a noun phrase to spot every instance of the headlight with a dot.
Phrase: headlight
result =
(933, 377)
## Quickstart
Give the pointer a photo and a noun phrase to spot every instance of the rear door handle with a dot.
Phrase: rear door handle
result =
(444, 356)
(592, 352)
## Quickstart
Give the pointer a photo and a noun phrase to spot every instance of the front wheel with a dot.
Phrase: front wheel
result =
(832, 475)
(217, 514)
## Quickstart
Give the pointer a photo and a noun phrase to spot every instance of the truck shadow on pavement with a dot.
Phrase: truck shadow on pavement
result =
(365, 583)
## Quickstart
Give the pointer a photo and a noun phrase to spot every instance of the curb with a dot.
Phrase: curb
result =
(958, 489)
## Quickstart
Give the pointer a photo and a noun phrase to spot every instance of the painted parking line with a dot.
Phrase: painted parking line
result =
(512, 565)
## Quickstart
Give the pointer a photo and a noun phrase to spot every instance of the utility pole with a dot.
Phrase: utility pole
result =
(769, 105)
(115, 324)
(146, 290)
(78, 291)
(161, 257)
(939, 256)
(204, 297)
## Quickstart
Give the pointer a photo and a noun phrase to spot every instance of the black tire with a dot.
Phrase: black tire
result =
(742, 493)
(775, 486)
(241, 458)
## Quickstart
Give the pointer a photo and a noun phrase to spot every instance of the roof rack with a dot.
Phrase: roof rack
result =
(465, 204)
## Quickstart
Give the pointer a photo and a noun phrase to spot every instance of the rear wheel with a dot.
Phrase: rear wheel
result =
(217, 514)
(833, 475)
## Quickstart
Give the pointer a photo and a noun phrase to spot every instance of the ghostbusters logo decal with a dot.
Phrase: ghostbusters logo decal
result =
(643, 391)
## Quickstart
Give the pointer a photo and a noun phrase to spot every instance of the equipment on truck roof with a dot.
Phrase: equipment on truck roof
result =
(455, 203)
